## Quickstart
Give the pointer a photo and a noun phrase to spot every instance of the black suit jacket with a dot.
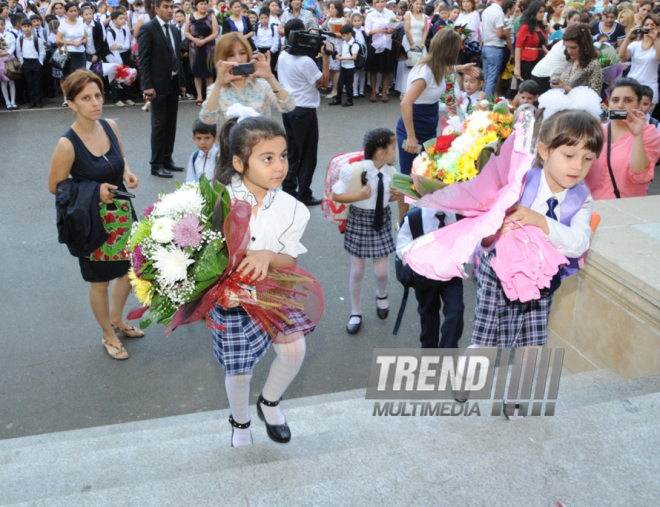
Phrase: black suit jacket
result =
(157, 57)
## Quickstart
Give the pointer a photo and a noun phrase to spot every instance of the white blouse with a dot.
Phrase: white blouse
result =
(346, 174)
(375, 21)
(433, 91)
(10, 40)
(471, 22)
(72, 34)
(280, 221)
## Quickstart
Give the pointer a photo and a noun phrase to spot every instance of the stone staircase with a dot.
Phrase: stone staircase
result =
(600, 449)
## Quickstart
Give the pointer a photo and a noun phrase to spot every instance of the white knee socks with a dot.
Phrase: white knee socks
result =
(284, 369)
(355, 285)
(382, 272)
(9, 95)
(238, 393)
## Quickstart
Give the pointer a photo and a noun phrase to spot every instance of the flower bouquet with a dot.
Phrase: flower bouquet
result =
(395, 23)
(119, 74)
(450, 98)
(222, 14)
(459, 153)
(610, 63)
(464, 32)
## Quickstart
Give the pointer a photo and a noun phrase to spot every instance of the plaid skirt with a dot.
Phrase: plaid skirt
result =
(243, 342)
(500, 322)
(360, 238)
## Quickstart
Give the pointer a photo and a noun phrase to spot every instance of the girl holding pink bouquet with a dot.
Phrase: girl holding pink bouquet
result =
(253, 163)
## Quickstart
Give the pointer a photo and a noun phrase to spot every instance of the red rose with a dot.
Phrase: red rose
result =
(462, 48)
(123, 219)
(109, 218)
(97, 255)
(450, 100)
(449, 86)
(124, 254)
(498, 100)
(121, 231)
(112, 238)
(443, 143)
(106, 257)
(115, 257)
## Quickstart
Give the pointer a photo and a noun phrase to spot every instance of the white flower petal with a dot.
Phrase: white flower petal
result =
(161, 230)
(172, 265)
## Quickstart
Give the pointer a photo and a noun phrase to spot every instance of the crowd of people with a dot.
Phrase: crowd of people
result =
(242, 71)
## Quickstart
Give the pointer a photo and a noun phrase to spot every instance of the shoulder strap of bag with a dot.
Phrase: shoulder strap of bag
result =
(415, 222)
(609, 165)
(356, 177)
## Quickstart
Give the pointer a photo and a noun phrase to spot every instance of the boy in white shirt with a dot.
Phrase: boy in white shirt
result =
(266, 37)
(31, 53)
(349, 54)
(119, 43)
(471, 91)
(203, 160)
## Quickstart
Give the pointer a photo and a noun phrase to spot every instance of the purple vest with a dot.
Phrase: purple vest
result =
(573, 203)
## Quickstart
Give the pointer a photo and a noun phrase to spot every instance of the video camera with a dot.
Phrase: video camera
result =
(306, 43)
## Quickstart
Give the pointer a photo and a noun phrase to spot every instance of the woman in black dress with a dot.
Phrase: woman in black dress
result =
(202, 31)
(92, 150)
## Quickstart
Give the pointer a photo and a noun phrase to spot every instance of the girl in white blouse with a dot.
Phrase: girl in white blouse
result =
(368, 233)
(253, 163)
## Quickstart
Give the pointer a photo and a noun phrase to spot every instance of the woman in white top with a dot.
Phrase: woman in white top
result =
(469, 17)
(644, 54)
(416, 29)
(380, 57)
(419, 108)
(72, 33)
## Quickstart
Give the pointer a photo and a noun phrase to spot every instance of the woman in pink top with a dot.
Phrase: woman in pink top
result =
(634, 151)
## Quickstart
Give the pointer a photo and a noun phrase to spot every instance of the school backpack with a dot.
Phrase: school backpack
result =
(361, 59)
(337, 212)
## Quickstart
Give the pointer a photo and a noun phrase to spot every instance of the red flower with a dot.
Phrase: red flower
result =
(443, 143)
(115, 257)
(112, 238)
(124, 254)
(102, 220)
(123, 219)
(106, 257)
(498, 100)
(462, 48)
(109, 218)
(449, 86)
(450, 100)
(97, 255)
(121, 231)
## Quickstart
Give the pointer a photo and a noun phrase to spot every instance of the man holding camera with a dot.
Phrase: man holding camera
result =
(301, 77)
(162, 79)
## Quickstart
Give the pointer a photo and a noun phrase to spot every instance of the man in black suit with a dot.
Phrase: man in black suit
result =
(162, 80)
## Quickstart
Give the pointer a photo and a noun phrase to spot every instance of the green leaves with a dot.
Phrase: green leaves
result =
(161, 310)
(404, 183)
(207, 264)
(143, 230)
(425, 185)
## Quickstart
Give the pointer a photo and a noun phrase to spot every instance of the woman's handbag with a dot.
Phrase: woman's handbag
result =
(13, 69)
(117, 223)
(414, 56)
(60, 59)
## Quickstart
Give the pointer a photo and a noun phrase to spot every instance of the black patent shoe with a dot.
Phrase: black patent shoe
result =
(234, 424)
(354, 328)
(279, 433)
(382, 312)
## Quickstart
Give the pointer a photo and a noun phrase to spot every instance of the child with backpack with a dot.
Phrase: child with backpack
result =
(360, 76)
(266, 37)
(204, 159)
(431, 295)
(365, 186)
(349, 53)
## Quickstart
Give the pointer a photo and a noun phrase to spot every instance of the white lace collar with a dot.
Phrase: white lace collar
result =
(241, 192)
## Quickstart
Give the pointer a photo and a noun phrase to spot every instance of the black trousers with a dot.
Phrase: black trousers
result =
(302, 140)
(431, 295)
(164, 109)
(346, 79)
(32, 71)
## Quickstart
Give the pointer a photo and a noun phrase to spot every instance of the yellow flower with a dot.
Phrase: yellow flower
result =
(449, 178)
(144, 291)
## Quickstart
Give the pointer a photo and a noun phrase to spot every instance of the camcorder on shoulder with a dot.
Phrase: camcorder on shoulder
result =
(308, 43)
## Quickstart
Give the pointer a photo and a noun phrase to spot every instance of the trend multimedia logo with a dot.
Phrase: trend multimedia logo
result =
(465, 376)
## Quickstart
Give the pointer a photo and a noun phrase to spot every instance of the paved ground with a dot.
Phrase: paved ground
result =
(55, 375)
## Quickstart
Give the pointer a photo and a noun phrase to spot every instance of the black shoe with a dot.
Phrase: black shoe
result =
(382, 312)
(234, 424)
(175, 168)
(354, 328)
(336, 102)
(161, 173)
(277, 433)
(313, 201)
(32, 106)
(40, 105)
(348, 103)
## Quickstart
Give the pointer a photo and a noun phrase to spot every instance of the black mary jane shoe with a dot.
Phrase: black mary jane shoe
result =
(382, 312)
(354, 328)
(279, 433)
(234, 424)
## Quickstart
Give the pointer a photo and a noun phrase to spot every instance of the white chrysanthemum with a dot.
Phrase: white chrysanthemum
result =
(478, 123)
(181, 202)
(454, 125)
(172, 264)
(161, 230)
(463, 143)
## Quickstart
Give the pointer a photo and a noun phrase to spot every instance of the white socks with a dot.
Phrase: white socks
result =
(284, 369)
(238, 393)
(9, 94)
(382, 273)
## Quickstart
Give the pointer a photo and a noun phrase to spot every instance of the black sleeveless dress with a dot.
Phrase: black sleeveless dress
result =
(108, 168)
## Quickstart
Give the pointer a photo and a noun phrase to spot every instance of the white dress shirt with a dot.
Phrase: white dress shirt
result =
(433, 91)
(552, 63)
(346, 174)
(430, 223)
(471, 22)
(204, 164)
(280, 221)
(298, 75)
(375, 21)
(349, 49)
(118, 36)
(267, 37)
(491, 19)
(27, 50)
(10, 40)
(175, 46)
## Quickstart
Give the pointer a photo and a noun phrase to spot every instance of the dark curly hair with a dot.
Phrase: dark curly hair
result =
(581, 35)
(529, 16)
(237, 139)
(377, 139)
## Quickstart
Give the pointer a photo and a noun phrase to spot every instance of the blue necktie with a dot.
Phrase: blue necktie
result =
(552, 204)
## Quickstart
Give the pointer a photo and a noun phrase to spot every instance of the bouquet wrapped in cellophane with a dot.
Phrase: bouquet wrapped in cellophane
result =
(459, 153)
(206, 265)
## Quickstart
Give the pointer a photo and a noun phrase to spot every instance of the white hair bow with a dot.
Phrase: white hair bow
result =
(241, 112)
(580, 97)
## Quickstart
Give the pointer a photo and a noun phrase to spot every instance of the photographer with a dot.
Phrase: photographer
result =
(643, 54)
(301, 77)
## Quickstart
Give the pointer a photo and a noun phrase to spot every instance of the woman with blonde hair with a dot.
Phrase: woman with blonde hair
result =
(260, 90)
(627, 20)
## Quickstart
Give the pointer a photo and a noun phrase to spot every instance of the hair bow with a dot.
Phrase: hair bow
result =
(580, 97)
(241, 112)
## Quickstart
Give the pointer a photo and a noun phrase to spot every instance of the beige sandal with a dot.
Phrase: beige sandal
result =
(129, 332)
(119, 350)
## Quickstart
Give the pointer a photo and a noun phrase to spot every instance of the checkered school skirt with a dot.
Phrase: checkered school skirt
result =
(360, 238)
(243, 343)
(502, 323)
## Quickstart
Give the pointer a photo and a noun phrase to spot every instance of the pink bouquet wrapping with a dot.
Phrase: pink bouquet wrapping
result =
(484, 201)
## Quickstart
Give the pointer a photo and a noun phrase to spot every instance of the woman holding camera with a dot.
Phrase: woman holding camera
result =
(626, 165)
(584, 68)
(643, 54)
(236, 83)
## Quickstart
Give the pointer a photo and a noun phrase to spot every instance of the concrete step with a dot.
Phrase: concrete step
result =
(603, 454)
